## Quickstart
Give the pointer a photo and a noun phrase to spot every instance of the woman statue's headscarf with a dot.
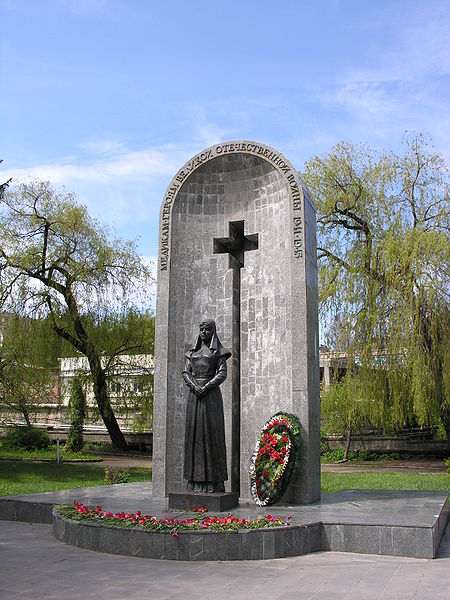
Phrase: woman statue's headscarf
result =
(214, 344)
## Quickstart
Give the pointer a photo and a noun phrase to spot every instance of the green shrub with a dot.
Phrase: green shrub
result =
(116, 475)
(447, 462)
(324, 446)
(77, 413)
(97, 447)
(357, 455)
(27, 438)
(333, 455)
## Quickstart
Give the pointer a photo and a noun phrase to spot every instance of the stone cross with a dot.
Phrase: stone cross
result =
(235, 245)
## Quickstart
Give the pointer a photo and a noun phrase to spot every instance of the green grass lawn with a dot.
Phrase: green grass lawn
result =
(48, 454)
(28, 478)
(333, 482)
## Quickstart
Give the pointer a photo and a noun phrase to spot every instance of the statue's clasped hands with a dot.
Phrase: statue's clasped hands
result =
(200, 390)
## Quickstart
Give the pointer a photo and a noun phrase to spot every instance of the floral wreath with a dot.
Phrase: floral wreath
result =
(274, 458)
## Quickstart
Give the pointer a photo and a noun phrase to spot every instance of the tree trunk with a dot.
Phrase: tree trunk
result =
(25, 414)
(103, 403)
(81, 342)
(347, 446)
(445, 416)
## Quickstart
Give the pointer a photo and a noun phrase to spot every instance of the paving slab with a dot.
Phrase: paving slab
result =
(33, 566)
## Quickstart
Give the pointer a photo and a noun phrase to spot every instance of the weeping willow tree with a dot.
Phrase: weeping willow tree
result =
(383, 253)
(348, 407)
(58, 261)
(28, 357)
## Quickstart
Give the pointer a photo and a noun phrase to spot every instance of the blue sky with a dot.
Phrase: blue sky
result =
(111, 97)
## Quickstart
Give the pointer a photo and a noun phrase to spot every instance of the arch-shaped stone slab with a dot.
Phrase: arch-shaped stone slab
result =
(250, 182)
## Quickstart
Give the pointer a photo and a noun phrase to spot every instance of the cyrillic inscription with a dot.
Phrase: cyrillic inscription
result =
(249, 148)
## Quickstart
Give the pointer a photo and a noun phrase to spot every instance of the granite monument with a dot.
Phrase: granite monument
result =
(237, 245)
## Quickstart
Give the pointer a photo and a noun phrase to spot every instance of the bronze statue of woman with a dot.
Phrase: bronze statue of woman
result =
(205, 459)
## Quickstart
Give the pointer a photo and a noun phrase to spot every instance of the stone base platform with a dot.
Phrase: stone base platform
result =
(398, 523)
(214, 502)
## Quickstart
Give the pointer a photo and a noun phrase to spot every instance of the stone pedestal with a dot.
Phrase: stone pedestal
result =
(214, 502)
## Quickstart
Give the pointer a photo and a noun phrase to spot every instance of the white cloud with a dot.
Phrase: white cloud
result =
(366, 99)
(423, 48)
(102, 146)
(402, 89)
(207, 132)
(124, 164)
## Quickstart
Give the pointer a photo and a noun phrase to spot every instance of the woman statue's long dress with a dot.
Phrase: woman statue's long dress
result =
(205, 460)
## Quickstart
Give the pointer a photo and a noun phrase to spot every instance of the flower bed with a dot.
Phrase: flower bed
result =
(199, 522)
(274, 458)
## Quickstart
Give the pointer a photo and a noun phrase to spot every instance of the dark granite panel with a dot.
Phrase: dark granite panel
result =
(288, 536)
(170, 545)
(269, 543)
(158, 546)
(366, 539)
(217, 546)
(405, 541)
(299, 540)
(425, 542)
(387, 540)
(257, 544)
(89, 537)
(215, 502)
(243, 549)
(326, 537)
(31, 512)
(315, 537)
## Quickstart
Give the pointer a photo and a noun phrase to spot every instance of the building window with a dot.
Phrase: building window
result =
(114, 387)
(137, 386)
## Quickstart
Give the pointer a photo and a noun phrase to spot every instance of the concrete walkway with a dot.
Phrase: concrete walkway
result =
(34, 566)
(418, 466)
